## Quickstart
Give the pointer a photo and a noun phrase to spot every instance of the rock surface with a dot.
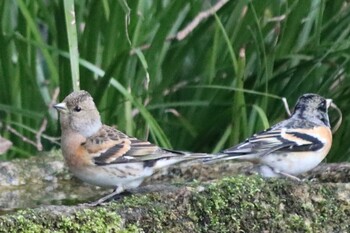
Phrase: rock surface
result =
(212, 203)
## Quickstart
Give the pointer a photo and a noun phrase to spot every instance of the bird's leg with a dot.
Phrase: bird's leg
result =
(287, 175)
(116, 191)
(268, 171)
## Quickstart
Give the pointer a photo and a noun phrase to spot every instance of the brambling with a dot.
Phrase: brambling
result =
(103, 156)
(293, 146)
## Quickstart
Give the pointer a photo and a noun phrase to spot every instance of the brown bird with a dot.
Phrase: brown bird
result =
(101, 155)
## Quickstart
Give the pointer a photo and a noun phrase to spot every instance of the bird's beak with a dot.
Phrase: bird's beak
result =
(329, 102)
(61, 107)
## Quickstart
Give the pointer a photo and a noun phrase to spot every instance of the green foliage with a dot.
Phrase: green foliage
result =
(208, 91)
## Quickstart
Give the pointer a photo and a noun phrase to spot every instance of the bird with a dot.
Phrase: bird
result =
(104, 156)
(290, 147)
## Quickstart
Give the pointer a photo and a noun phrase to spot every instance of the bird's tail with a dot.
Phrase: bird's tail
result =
(187, 154)
(224, 157)
(182, 157)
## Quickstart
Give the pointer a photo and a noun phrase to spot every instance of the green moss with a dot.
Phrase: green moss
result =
(254, 205)
(237, 204)
(87, 220)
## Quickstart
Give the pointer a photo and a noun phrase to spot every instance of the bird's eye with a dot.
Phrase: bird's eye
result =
(77, 109)
(322, 106)
(297, 107)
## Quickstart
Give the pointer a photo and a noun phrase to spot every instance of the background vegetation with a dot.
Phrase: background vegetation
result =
(207, 91)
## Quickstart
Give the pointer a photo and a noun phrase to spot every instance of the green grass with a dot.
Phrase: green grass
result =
(218, 85)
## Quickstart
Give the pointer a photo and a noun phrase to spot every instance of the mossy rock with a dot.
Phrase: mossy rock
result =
(236, 204)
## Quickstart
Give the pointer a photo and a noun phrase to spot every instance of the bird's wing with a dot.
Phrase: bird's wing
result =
(282, 139)
(110, 146)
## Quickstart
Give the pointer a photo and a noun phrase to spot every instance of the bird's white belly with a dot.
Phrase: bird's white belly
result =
(294, 163)
(128, 176)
